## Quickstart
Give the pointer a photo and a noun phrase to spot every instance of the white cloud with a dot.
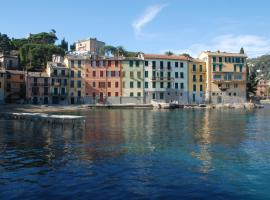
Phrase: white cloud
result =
(253, 45)
(150, 13)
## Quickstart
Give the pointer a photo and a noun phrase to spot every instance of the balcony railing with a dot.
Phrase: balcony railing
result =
(162, 79)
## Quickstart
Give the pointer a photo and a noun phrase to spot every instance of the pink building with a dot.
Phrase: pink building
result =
(263, 89)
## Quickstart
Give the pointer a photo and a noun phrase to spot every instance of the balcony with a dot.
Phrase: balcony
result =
(162, 79)
(40, 84)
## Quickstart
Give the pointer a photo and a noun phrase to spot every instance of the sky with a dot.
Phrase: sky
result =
(150, 26)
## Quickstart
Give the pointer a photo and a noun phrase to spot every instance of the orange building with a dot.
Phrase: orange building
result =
(103, 81)
(15, 86)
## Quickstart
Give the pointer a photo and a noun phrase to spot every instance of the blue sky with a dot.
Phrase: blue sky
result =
(151, 26)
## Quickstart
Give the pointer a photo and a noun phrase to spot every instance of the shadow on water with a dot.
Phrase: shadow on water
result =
(204, 154)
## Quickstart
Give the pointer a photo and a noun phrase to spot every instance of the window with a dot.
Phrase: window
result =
(94, 84)
(131, 85)
(235, 85)
(131, 94)
(153, 74)
(200, 68)
(131, 63)
(201, 88)
(234, 94)
(137, 63)
(109, 63)
(112, 73)
(217, 77)
(79, 93)
(181, 75)
(109, 94)
(116, 63)
(94, 73)
(154, 64)
(214, 67)
(72, 84)
(139, 74)
(161, 64)
(109, 84)
(116, 84)
(194, 88)
(123, 74)
(169, 65)
(101, 84)
(161, 74)
(169, 75)
(154, 84)
(176, 64)
(153, 96)
(138, 94)
(161, 85)
(79, 84)
(72, 63)
(194, 68)
(214, 59)
(138, 84)
(8, 76)
(182, 85)
(146, 74)
(161, 95)
(169, 85)
(220, 67)
(220, 59)
(63, 72)
(194, 78)
(79, 74)
(79, 63)
(131, 74)
(55, 72)
(116, 94)
(146, 63)
(176, 85)
(123, 84)
(101, 73)
(181, 64)
(201, 79)
(176, 74)
(146, 84)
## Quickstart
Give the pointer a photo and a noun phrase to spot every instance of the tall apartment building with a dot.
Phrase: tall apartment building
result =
(132, 80)
(38, 87)
(91, 45)
(103, 80)
(225, 77)
(197, 81)
(59, 83)
(77, 66)
(166, 78)
(263, 89)
(2, 85)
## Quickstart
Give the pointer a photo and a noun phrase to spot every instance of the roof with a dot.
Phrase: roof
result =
(219, 53)
(164, 57)
(38, 74)
(15, 72)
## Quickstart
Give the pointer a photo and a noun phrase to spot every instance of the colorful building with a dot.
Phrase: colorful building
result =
(15, 86)
(225, 77)
(196, 81)
(132, 81)
(59, 74)
(2, 85)
(166, 78)
(263, 89)
(38, 88)
(103, 80)
(77, 66)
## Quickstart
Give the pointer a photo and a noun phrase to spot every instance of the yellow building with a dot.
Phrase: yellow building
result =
(132, 80)
(91, 45)
(225, 77)
(196, 81)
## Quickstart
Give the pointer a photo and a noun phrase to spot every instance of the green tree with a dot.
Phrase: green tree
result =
(242, 50)
(5, 43)
(252, 82)
(72, 47)
(64, 44)
(169, 53)
(185, 54)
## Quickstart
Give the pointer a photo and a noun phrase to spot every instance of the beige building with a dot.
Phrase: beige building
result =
(9, 61)
(91, 45)
(225, 77)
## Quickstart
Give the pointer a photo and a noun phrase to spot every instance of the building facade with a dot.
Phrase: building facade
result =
(9, 61)
(166, 78)
(263, 89)
(15, 88)
(196, 81)
(103, 81)
(225, 77)
(38, 88)
(2, 85)
(133, 80)
(91, 45)
(59, 83)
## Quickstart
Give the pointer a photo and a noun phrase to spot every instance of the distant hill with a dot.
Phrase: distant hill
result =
(261, 63)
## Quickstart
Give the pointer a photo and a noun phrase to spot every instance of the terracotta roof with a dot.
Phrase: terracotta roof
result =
(164, 57)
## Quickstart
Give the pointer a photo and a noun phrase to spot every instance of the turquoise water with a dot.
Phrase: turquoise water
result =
(139, 154)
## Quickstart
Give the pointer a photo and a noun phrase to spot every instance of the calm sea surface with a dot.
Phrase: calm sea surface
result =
(139, 154)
